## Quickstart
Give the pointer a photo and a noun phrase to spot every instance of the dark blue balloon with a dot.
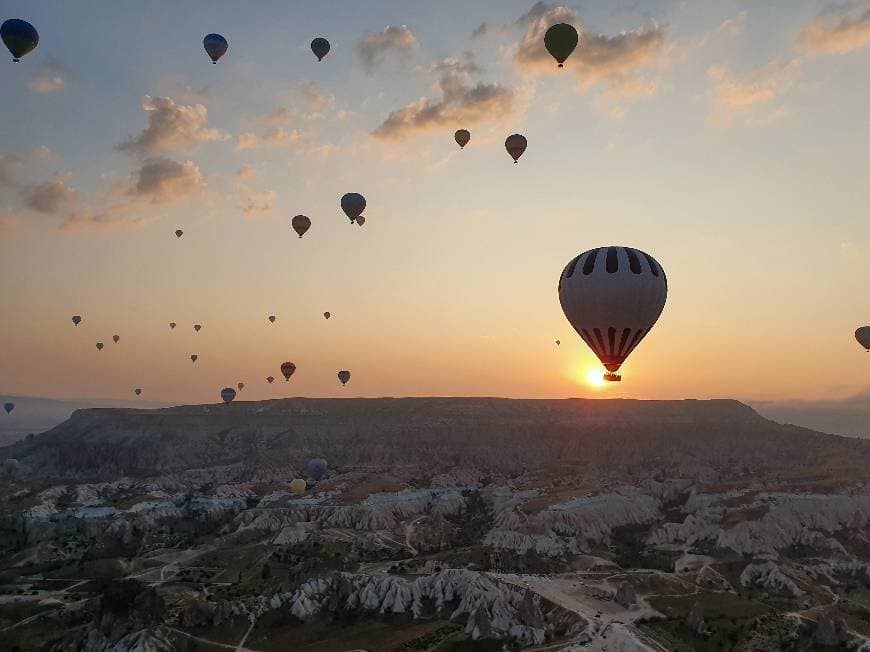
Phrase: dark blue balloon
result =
(215, 46)
(320, 48)
(19, 36)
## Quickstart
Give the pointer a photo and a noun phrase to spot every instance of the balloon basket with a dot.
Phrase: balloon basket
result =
(612, 377)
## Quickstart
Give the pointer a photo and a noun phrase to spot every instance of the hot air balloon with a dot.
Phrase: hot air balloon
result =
(196, 327)
(19, 36)
(320, 48)
(863, 336)
(228, 394)
(344, 376)
(99, 346)
(115, 338)
(327, 315)
(560, 41)
(138, 391)
(77, 319)
(361, 220)
(215, 46)
(316, 468)
(8, 407)
(194, 358)
(272, 318)
(288, 369)
(353, 204)
(300, 224)
(515, 146)
(297, 487)
(270, 379)
(462, 136)
(241, 386)
(178, 233)
(612, 296)
(172, 324)
(558, 342)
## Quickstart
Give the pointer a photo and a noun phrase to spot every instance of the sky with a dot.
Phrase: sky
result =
(727, 139)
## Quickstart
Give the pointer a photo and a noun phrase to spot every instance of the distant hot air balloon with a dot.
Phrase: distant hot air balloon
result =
(288, 369)
(560, 41)
(272, 318)
(344, 376)
(270, 379)
(320, 48)
(297, 487)
(99, 346)
(215, 46)
(515, 146)
(353, 204)
(19, 36)
(115, 338)
(194, 357)
(178, 233)
(863, 336)
(241, 386)
(77, 319)
(558, 342)
(8, 407)
(300, 224)
(138, 391)
(612, 296)
(228, 394)
(361, 220)
(172, 324)
(196, 327)
(462, 136)
(327, 315)
(316, 468)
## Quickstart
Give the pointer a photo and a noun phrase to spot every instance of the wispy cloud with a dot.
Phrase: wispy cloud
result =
(171, 126)
(163, 180)
(52, 195)
(259, 204)
(51, 77)
(374, 47)
(838, 31)
(749, 95)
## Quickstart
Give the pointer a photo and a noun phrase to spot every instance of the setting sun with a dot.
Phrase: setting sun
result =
(595, 378)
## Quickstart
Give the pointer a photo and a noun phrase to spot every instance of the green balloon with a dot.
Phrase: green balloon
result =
(560, 40)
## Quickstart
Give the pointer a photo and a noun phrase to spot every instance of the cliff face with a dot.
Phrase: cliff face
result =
(626, 439)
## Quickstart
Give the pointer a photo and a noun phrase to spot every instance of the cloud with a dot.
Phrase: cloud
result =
(115, 217)
(315, 98)
(244, 172)
(163, 180)
(739, 95)
(850, 33)
(175, 85)
(8, 164)
(9, 222)
(374, 47)
(246, 140)
(51, 77)
(461, 103)
(276, 138)
(259, 203)
(52, 195)
(171, 126)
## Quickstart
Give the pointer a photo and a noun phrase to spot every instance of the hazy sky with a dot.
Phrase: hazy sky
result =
(727, 139)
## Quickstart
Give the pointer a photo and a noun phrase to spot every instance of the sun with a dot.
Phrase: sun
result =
(595, 377)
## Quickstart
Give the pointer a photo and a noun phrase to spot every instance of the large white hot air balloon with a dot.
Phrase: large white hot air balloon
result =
(612, 296)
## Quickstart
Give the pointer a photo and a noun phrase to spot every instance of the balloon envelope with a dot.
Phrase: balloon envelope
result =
(361, 220)
(270, 379)
(320, 48)
(228, 394)
(8, 407)
(297, 487)
(99, 346)
(196, 327)
(172, 324)
(327, 315)
(316, 468)
(115, 338)
(215, 46)
(241, 386)
(344, 376)
(19, 36)
(612, 296)
(179, 233)
(560, 41)
(300, 224)
(353, 204)
(462, 136)
(515, 146)
(288, 369)
(76, 319)
(863, 336)
(137, 391)
(272, 318)
(194, 357)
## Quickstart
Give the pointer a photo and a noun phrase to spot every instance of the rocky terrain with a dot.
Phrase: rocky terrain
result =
(442, 525)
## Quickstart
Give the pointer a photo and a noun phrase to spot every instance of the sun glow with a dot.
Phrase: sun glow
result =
(595, 378)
